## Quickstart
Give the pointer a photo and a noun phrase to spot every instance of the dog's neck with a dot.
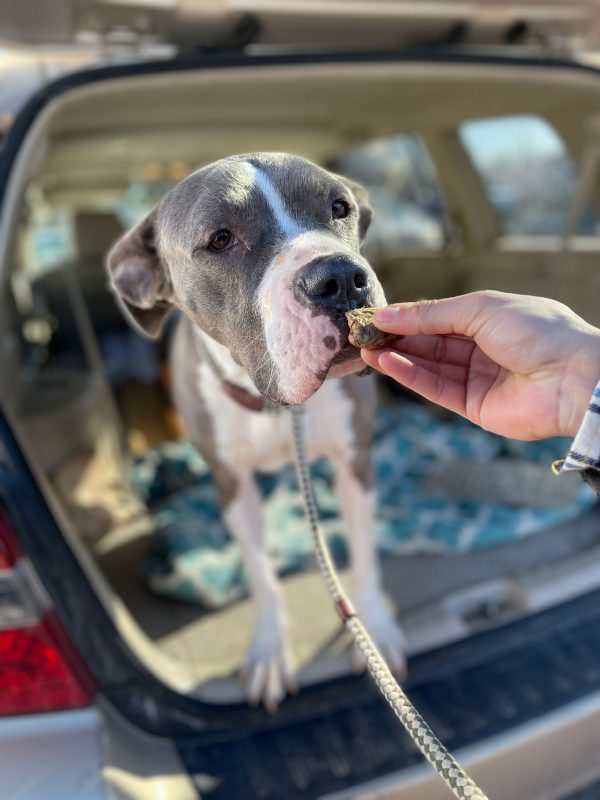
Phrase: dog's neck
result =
(223, 363)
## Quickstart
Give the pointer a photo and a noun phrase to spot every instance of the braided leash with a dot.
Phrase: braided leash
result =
(434, 751)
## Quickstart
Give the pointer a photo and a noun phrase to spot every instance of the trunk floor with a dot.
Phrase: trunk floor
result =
(209, 646)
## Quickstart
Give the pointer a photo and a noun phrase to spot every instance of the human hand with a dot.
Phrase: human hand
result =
(523, 367)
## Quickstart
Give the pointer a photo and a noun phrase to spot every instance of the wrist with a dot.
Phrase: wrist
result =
(579, 384)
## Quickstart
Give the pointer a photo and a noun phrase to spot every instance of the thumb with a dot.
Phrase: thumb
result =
(462, 316)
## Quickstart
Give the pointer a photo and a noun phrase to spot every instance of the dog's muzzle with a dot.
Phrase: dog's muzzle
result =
(332, 284)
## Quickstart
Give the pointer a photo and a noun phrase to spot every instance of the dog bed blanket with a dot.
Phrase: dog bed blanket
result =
(444, 486)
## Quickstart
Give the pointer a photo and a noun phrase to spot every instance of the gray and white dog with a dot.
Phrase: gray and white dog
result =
(261, 253)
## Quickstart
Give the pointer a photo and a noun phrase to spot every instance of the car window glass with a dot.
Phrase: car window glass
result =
(527, 173)
(139, 199)
(408, 204)
(49, 232)
(49, 239)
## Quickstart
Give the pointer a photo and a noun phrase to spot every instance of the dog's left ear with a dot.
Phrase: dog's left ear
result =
(361, 196)
(140, 278)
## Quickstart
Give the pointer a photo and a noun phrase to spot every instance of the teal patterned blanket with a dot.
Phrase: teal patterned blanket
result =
(443, 486)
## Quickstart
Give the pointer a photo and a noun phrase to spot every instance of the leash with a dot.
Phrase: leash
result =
(434, 751)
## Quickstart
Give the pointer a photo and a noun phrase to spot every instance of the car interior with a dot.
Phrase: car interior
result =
(481, 176)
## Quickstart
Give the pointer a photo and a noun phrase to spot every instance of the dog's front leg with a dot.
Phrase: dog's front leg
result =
(267, 669)
(357, 506)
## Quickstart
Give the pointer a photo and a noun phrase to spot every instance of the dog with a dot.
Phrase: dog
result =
(261, 254)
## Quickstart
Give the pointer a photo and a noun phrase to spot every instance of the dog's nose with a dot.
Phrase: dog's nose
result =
(331, 282)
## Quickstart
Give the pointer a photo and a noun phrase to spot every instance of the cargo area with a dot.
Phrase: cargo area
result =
(442, 148)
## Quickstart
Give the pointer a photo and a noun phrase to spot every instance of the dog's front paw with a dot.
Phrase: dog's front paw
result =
(386, 633)
(267, 671)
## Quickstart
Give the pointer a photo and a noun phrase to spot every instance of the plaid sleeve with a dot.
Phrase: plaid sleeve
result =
(585, 448)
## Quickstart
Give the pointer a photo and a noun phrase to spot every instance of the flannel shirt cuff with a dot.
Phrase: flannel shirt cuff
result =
(584, 453)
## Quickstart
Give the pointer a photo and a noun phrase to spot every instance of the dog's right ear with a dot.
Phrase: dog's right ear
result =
(140, 279)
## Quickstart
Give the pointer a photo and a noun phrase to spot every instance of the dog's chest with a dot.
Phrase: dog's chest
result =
(246, 440)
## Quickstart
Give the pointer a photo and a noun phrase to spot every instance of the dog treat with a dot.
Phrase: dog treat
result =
(362, 331)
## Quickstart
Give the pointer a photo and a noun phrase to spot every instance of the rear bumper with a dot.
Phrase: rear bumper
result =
(89, 754)
(54, 756)
(59, 757)
(546, 759)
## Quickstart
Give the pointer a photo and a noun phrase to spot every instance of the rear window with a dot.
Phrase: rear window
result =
(404, 191)
(528, 174)
(49, 239)
(140, 198)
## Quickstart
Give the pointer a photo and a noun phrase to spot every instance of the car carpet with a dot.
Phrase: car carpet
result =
(444, 486)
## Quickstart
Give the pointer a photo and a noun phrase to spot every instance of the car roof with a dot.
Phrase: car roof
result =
(45, 40)
(335, 23)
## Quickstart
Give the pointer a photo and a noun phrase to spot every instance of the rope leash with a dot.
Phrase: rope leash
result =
(434, 751)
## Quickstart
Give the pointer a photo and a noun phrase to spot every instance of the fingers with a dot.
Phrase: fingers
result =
(439, 389)
(453, 372)
(441, 349)
(371, 357)
(462, 316)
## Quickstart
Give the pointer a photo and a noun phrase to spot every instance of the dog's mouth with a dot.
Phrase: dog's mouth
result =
(329, 355)
(347, 353)
(347, 360)
(354, 366)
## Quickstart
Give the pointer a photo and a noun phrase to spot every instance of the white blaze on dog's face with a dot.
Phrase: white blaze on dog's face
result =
(262, 253)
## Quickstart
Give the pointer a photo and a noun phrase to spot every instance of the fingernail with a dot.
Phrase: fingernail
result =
(385, 315)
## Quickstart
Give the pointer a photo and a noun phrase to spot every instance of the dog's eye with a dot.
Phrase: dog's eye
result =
(221, 240)
(339, 209)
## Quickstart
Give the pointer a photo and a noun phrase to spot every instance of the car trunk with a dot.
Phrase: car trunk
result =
(171, 666)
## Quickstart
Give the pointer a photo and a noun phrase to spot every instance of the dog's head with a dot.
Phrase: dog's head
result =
(262, 253)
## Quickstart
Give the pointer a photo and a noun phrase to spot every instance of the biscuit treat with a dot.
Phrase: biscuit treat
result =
(363, 333)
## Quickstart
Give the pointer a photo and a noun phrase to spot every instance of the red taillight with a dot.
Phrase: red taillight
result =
(9, 548)
(34, 676)
(39, 667)
(5, 559)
